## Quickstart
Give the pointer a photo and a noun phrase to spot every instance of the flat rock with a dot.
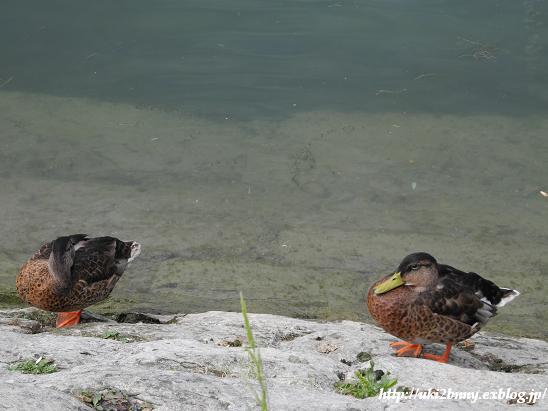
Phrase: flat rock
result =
(198, 361)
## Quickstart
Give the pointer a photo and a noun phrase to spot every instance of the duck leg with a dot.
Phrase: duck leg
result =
(416, 349)
(68, 319)
(440, 358)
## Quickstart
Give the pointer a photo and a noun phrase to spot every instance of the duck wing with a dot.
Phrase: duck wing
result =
(461, 296)
(484, 289)
(61, 253)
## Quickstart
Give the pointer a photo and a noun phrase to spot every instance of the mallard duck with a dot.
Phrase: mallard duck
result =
(426, 302)
(73, 272)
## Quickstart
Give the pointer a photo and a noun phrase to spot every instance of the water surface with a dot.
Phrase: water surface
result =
(295, 150)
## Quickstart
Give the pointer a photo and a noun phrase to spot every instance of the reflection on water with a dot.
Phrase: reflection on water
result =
(293, 150)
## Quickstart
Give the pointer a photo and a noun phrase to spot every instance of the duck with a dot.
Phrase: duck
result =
(425, 302)
(73, 272)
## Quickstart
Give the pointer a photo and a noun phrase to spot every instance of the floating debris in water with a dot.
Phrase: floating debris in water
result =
(6, 82)
(413, 186)
(478, 50)
(383, 91)
(543, 193)
(425, 75)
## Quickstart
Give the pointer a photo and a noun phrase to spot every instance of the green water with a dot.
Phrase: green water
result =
(294, 150)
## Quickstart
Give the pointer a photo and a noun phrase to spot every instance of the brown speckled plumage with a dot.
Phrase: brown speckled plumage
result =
(399, 313)
(437, 303)
(93, 267)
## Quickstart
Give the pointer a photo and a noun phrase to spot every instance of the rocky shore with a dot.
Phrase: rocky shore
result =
(199, 362)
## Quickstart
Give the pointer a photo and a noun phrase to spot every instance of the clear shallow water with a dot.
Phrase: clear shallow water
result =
(293, 150)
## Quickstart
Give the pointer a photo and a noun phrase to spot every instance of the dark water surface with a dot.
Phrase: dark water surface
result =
(258, 58)
(295, 150)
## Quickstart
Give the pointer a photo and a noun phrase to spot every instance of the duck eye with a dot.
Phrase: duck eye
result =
(414, 267)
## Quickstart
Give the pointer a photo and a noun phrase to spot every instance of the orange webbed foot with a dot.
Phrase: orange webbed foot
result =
(68, 319)
(415, 349)
(440, 358)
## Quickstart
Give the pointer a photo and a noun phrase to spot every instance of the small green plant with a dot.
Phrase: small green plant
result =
(44, 318)
(255, 358)
(112, 335)
(116, 336)
(40, 366)
(369, 383)
(112, 399)
(363, 356)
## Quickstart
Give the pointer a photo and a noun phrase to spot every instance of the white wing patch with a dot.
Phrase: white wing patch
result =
(80, 244)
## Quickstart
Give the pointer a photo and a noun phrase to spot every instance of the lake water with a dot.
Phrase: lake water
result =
(294, 150)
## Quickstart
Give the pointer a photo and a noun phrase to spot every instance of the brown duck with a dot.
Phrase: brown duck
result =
(426, 302)
(73, 272)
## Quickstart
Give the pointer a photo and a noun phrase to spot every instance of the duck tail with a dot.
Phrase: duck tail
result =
(127, 250)
(507, 295)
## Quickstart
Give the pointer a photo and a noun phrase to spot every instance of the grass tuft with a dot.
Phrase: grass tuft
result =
(117, 336)
(255, 358)
(40, 366)
(369, 383)
(111, 399)
(44, 318)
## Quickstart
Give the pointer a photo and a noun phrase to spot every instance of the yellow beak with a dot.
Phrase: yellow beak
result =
(393, 282)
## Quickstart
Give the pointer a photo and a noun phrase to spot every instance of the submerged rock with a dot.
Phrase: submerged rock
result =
(192, 363)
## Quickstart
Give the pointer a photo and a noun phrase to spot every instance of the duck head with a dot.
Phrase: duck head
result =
(417, 270)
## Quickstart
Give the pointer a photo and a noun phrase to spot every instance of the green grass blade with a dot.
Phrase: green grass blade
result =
(254, 357)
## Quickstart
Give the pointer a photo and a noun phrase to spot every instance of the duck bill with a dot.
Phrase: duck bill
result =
(394, 281)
